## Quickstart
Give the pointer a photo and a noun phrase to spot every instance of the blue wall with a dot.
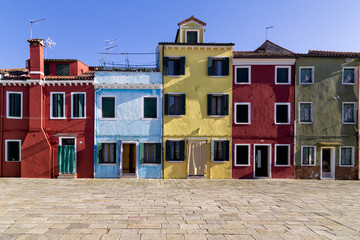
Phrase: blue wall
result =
(129, 125)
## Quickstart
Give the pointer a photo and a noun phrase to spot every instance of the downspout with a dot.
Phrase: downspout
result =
(163, 108)
(43, 129)
(95, 128)
(358, 135)
(2, 128)
(294, 142)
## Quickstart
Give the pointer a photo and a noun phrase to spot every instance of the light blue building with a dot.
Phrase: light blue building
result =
(128, 124)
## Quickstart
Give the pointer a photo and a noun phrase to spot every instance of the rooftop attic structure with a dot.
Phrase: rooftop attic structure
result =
(190, 30)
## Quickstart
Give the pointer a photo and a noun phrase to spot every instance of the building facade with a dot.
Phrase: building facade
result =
(263, 103)
(128, 124)
(326, 106)
(197, 109)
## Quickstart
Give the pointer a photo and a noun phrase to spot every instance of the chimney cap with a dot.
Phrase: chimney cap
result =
(36, 41)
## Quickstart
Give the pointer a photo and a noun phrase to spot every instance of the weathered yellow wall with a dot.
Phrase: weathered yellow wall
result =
(192, 26)
(196, 84)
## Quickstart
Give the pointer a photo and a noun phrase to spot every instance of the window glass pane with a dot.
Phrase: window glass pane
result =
(349, 76)
(108, 153)
(282, 155)
(346, 156)
(242, 75)
(108, 107)
(349, 112)
(174, 66)
(14, 105)
(46, 69)
(150, 153)
(174, 105)
(305, 112)
(282, 75)
(13, 150)
(150, 108)
(78, 105)
(282, 114)
(306, 75)
(174, 150)
(58, 105)
(62, 69)
(191, 37)
(242, 155)
(308, 156)
(242, 113)
(218, 151)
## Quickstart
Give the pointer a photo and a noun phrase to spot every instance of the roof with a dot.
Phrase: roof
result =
(197, 44)
(192, 18)
(58, 60)
(89, 75)
(11, 71)
(319, 53)
(267, 49)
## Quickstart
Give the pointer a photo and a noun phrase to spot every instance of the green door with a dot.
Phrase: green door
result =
(66, 158)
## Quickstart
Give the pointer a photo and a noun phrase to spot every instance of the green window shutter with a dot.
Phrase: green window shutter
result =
(212, 150)
(142, 153)
(226, 104)
(60, 105)
(150, 108)
(99, 152)
(182, 65)
(210, 66)
(165, 65)
(166, 110)
(226, 67)
(167, 150)
(158, 153)
(182, 150)
(226, 147)
(209, 104)
(183, 104)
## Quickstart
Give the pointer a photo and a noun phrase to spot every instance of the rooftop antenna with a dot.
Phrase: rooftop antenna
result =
(267, 31)
(108, 48)
(34, 21)
(49, 43)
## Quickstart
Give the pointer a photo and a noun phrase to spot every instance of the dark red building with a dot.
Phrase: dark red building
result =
(263, 111)
(46, 124)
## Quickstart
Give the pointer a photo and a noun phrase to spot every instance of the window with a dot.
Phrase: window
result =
(150, 107)
(242, 75)
(152, 153)
(218, 104)
(306, 75)
(348, 75)
(14, 104)
(242, 155)
(46, 69)
(346, 156)
(282, 75)
(107, 153)
(62, 69)
(219, 150)
(175, 104)
(349, 113)
(13, 150)
(175, 150)
(78, 105)
(174, 66)
(242, 113)
(57, 105)
(282, 155)
(218, 66)
(108, 107)
(306, 112)
(191, 36)
(282, 113)
(308, 156)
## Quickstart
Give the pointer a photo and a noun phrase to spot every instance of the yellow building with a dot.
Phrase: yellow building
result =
(197, 104)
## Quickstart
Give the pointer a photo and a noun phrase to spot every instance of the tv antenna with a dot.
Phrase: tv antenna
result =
(267, 31)
(34, 21)
(109, 47)
(49, 43)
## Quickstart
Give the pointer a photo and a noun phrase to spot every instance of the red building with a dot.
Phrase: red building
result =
(263, 111)
(46, 124)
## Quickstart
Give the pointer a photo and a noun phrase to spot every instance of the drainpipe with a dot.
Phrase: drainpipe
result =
(358, 137)
(163, 108)
(95, 127)
(2, 128)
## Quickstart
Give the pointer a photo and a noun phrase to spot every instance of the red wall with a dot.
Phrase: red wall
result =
(76, 68)
(263, 94)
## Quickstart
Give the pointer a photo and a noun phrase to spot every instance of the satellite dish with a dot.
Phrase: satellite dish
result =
(49, 42)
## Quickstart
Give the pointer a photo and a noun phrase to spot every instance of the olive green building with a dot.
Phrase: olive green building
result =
(326, 103)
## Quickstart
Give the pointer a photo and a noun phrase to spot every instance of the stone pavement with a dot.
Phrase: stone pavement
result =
(196, 209)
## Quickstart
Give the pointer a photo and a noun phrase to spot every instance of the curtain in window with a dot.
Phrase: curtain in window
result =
(308, 155)
(197, 158)
(66, 158)
(349, 113)
(349, 76)
(78, 105)
(306, 75)
(108, 150)
(346, 156)
(58, 105)
(305, 112)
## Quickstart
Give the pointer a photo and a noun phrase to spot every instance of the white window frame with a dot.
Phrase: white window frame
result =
(312, 75)
(72, 105)
(249, 75)
(352, 156)
(312, 116)
(249, 153)
(308, 165)
(289, 75)
(192, 30)
(51, 105)
(342, 113)
(157, 107)
(289, 155)
(289, 113)
(355, 75)
(249, 112)
(100, 117)
(6, 149)
(8, 105)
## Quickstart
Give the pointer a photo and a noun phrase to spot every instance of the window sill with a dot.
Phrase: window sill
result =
(349, 83)
(78, 117)
(282, 83)
(222, 161)
(150, 164)
(149, 118)
(237, 123)
(53, 118)
(346, 165)
(348, 122)
(8, 117)
(107, 164)
(304, 165)
(178, 76)
(242, 83)
(174, 115)
(221, 76)
(107, 119)
(282, 123)
(306, 83)
(175, 161)
(217, 115)
(242, 165)
(12, 161)
(306, 122)
(282, 165)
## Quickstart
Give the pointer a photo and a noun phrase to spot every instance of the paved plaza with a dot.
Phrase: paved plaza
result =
(196, 209)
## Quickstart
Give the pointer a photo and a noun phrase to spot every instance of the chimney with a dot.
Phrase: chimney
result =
(36, 67)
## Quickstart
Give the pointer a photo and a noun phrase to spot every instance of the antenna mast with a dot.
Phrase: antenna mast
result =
(267, 31)
(107, 48)
(34, 21)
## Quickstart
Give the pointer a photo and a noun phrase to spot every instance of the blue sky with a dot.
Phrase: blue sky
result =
(80, 28)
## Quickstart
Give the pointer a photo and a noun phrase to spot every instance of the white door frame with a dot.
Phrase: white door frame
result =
(332, 162)
(121, 156)
(269, 159)
(75, 143)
